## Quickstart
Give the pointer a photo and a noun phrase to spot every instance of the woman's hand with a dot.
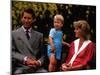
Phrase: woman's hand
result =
(66, 67)
(63, 67)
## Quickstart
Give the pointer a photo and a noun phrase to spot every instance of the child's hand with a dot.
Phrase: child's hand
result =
(67, 44)
(53, 49)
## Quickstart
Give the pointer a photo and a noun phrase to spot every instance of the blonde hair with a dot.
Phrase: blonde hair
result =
(84, 26)
(59, 17)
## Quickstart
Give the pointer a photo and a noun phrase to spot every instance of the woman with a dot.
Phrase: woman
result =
(81, 50)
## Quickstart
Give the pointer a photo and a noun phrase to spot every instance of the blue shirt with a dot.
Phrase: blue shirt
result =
(56, 36)
(57, 40)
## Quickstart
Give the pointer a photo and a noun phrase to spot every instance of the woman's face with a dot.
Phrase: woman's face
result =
(78, 33)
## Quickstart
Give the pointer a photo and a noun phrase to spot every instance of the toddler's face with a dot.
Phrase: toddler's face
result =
(57, 24)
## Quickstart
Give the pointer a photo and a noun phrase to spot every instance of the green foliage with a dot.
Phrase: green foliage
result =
(18, 6)
(69, 11)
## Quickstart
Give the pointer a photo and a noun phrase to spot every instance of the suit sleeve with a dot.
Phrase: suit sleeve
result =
(41, 59)
(15, 54)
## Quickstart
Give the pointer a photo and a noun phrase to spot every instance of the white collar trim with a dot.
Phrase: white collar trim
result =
(76, 45)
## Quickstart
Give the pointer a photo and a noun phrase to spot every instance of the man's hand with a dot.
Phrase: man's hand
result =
(38, 63)
(31, 62)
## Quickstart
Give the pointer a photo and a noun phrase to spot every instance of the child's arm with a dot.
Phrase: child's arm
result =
(52, 44)
(65, 43)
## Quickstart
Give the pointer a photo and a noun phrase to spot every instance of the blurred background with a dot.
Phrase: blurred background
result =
(44, 18)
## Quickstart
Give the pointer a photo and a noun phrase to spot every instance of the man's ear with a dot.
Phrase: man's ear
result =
(21, 19)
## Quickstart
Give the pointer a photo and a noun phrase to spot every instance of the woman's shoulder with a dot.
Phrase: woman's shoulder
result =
(72, 43)
(91, 44)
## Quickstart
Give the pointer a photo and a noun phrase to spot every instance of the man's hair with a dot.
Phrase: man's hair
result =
(28, 10)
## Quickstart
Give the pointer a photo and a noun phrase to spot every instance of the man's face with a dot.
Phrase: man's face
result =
(27, 19)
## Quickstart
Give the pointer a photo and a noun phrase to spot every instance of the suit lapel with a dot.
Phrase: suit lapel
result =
(24, 38)
(32, 38)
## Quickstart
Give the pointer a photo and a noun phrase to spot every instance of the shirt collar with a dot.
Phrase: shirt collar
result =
(30, 29)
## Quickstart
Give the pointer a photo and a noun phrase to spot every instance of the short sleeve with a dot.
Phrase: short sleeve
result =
(51, 34)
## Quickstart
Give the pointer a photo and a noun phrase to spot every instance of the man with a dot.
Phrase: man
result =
(27, 44)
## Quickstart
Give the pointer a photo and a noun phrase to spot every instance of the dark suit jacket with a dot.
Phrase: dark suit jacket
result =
(22, 47)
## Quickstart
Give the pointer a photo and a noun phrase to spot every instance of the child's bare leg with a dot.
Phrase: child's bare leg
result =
(52, 64)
